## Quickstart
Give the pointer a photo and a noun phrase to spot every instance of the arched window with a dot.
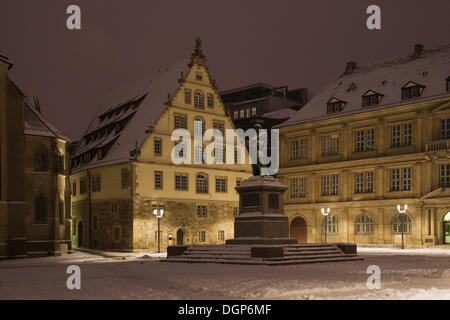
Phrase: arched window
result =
(41, 160)
(331, 225)
(199, 99)
(40, 208)
(401, 222)
(201, 183)
(364, 224)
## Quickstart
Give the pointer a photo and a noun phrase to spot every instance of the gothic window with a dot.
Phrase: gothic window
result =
(41, 160)
(364, 224)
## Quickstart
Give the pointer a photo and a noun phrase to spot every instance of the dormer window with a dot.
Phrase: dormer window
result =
(371, 98)
(412, 90)
(335, 105)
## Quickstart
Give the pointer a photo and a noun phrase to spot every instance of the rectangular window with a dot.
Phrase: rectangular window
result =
(221, 235)
(253, 111)
(335, 146)
(201, 211)
(181, 182)
(294, 150)
(302, 151)
(236, 114)
(158, 179)
(395, 141)
(158, 147)
(180, 121)
(96, 183)
(202, 236)
(83, 186)
(187, 96)
(302, 187)
(210, 99)
(369, 182)
(325, 185)
(406, 179)
(444, 172)
(221, 184)
(445, 129)
(326, 148)
(74, 189)
(242, 113)
(370, 140)
(395, 180)
(359, 182)
(126, 177)
(359, 146)
(407, 134)
(238, 181)
(294, 188)
(335, 184)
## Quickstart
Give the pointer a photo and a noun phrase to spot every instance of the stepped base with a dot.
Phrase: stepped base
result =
(267, 241)
(262, 254)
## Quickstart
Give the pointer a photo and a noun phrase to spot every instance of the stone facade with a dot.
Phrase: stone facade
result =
(329, 163)
(114, 192)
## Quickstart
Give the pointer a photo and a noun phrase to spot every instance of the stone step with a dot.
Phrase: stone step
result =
(311, 249)
(307, 257)
(261, 261)
(213, 256)
(305, 252)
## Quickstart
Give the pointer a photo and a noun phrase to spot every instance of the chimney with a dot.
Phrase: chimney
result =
(418, 50)
(350, 67)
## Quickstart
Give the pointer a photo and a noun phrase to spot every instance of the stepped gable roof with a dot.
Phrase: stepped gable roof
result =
(37, 125)
(430, 69)
(122, 120)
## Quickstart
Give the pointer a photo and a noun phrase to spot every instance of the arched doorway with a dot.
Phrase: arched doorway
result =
(447, 228)
(80, 234)
(180, 235)
(298, 230)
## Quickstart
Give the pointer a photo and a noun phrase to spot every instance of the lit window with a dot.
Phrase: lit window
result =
(158, 179)
(236, 114)
(199, 101)
(201, 184)
(331, 224)
(363, 224)
(242, 113)
(253, 111)
(401, 222)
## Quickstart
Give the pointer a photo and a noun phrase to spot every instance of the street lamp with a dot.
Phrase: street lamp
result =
(402, 213)
(159, 215)
(325, 213)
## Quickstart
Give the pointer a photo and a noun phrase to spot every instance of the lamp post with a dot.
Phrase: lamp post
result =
(159, 215)
(325, 213)
(402, 213)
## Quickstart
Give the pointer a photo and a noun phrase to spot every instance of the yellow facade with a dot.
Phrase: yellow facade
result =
(124, 210)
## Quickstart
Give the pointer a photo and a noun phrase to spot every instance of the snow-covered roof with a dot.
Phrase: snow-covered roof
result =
(37, 125)
(133, 109)
(280, 114)
(430, 69)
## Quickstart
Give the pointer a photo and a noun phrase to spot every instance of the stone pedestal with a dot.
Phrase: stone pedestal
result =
(261, 218)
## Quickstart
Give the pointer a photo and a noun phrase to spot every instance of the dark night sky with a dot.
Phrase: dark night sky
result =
(299, 43)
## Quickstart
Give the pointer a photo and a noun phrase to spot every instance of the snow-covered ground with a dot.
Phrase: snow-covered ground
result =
(142, 276)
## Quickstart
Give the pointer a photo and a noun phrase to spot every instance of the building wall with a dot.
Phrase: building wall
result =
(53, 234)
(12, 214)
(133, 226)
(426, 207)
